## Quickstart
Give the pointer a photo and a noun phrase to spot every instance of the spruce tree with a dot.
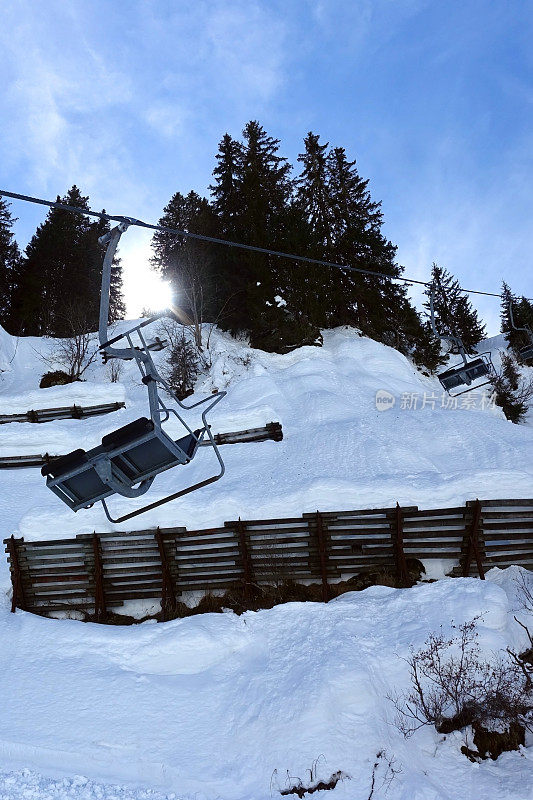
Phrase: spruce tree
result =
(252, 195)
(10, 258)
(522, 318)
(310, 284)
(59, 284)
(454, 314)
(346, 227)
(227, 202)
(512, 391)
(189, 264)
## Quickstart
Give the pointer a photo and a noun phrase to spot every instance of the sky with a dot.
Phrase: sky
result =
(434, 99)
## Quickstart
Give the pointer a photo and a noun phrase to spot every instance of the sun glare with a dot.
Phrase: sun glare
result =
(142, 286)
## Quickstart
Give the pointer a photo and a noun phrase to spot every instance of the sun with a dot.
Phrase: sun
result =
(143, 288)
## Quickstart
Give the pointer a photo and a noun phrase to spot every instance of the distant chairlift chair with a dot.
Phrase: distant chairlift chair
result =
(465, 373)
(526, 353)
(128, 459)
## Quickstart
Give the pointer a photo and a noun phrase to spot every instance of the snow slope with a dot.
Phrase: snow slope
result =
(225, 707)
(220, 707)
(339, 450)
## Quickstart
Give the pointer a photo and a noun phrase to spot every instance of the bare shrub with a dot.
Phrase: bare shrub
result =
(391, 769)
(452, 687)
(79, 349)
(115, 368)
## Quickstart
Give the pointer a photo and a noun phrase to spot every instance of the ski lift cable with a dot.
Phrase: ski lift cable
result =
(228, 243)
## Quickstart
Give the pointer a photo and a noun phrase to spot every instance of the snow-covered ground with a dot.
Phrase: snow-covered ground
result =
(231, 707)
(227, 707)
(339, 449)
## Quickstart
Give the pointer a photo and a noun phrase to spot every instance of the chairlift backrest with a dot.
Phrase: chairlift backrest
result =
(525, 352)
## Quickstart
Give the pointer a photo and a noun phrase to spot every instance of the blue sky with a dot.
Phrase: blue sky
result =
(433, 99)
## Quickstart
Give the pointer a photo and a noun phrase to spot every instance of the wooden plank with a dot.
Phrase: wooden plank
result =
(509, 560)
(517, 547)
(74, 560)
(437, 523)
(360, 512)
(435, 512)
(505, 503)
(38, 571)
(255, 523)
(52, 544)
(504, 525)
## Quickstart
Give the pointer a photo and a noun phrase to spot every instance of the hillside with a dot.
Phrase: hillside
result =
(338, 451)
(226, 707)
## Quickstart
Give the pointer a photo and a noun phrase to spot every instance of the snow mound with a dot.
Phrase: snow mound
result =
(340, 449)
(225, 706)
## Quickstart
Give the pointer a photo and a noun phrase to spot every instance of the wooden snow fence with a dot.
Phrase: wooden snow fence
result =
(95, 572)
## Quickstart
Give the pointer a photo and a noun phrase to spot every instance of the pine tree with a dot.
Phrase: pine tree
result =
(10, 258)
(60, 275)
(313, 193)
(346, 228)
(96, 254)
(311, 285)
(454, 314)
(512, 392)
(522, 317)
(252, 195)
(189, 264)
(225, 191)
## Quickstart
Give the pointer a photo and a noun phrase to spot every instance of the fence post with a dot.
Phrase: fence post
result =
(322, 555)
(168, 596)
(99, 596)
(472, 543)
(246, 559)
(399, 553)
(18, 600)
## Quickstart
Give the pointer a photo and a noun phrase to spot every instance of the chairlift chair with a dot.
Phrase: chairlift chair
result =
(525, 353)
(467, 371)
(128, 459)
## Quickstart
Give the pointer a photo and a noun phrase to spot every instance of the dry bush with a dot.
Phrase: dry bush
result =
(115, 368)
(76, 352)
(453, 687)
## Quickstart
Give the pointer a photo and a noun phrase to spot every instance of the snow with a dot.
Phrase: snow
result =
(339, 451)
(225, 707)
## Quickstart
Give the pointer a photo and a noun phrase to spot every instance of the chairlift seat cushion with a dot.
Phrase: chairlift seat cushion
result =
(59, 466)
(526, 352)
(82, 487)
(144, 450)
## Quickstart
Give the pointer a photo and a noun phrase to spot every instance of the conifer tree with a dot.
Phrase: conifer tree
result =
(454, 314)
(513, 392)
(189, 264)
(225, 191)
(252, 195)
(61, 271)
(9, 267)
(522, 317)
(346, 228)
